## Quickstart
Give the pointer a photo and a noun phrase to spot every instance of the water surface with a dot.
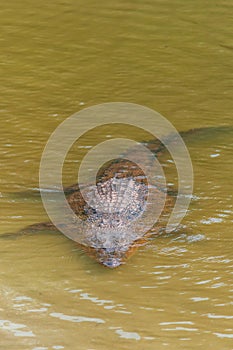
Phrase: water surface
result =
(59, 57)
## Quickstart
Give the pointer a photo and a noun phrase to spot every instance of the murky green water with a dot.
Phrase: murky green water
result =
(59, 57)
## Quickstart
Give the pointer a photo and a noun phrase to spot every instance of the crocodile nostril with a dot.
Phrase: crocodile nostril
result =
(112, 263)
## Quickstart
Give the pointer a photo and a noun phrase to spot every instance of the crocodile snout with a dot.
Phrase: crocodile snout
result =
(112, 263)
(110, 257)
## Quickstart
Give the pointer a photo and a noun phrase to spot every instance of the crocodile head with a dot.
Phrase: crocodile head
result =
(108, 232)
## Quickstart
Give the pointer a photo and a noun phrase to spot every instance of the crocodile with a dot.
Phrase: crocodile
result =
(110, 238)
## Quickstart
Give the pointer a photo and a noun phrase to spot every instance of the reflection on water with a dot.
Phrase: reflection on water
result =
(58, 58)
(17, 329)
(76, 318)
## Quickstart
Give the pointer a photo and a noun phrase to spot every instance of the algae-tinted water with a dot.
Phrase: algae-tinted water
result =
(58, 57)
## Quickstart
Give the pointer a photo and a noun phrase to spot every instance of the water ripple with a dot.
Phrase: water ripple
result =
(77, 319)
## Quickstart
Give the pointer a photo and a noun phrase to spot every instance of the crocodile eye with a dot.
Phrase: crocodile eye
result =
(109, 250)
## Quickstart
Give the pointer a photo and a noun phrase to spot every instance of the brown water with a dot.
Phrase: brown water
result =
(58, 57)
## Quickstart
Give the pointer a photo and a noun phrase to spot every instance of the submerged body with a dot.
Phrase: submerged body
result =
(111, 237)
